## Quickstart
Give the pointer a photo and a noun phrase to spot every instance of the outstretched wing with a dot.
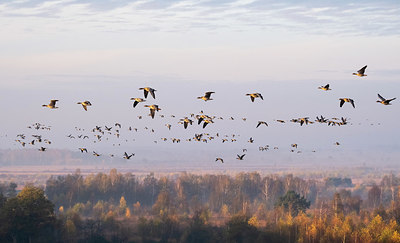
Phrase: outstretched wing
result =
(152, 113)
(152, 93)
(352, 103)
(135, 103)
(362, 70)
(261, 96)
(341, 103)
(252, 98)
(145, 93)
(380, 97)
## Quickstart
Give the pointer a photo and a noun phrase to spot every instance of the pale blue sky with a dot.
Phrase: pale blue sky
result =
(103, 51)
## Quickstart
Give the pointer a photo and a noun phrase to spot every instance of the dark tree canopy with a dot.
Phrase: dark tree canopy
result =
(293, 203)
(29, 215)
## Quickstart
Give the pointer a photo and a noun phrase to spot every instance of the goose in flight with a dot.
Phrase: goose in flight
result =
(96, 154)
(51, 105)
(255, 95)
(220, 159)
(240, 157)
(137, 101)
(153, 109)
(261, 123)
(146, 91)
(206, 97)
(126, 156)
(360, 73)
(85, 104)
(186, 121)
(343, 100)
(83, 150)
(206, 121)
(325, 88)
(42, 149)
(384, 101)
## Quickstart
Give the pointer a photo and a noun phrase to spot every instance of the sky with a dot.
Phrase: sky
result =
(104, 51)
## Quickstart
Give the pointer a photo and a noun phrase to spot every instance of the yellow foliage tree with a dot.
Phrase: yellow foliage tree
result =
(127, 213)
(253, 221)
(225, 210)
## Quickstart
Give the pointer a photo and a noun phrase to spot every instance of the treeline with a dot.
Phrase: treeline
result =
(119, 207)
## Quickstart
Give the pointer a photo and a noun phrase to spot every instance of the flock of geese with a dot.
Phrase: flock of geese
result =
(102, 132)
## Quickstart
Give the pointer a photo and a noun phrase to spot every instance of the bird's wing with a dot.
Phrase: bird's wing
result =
(341, 103)
(135, 103)
(259, 123)
(380, 97)
(84, 107)
(185, 124)
(252, 98)
(261, 96)
(145, 93)
(152, 113)
(152, 93)
(352, 102)
(362, 70)
(326, 86)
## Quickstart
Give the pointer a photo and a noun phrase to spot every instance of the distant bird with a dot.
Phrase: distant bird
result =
(325, 88)
(294, 145)
(126, 156)
(206, 97)
(251, 140)
(168, 126)
(281, 121)
(153, 109)
(384, 101)
(255, 95)
(337, 143)
(117, 125)
(186, 121)
(146, 91)
(206, 122)
(83, 150)
(85, 104)
(240, 157)
(220, 159)
(261, 123)
(42, 149)
(360, 73)
(51, 105)
(96, 154)
(137, 101)
(343, 100)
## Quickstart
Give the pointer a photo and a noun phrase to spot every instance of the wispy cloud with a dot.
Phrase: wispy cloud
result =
(364, 18)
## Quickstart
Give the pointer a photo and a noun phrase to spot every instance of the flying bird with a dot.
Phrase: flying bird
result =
(360, 73)
(146, 91)
(153, 109)
(343, 100)
(325, 88)
(126, 156)
(220, 159)
(261, 123)
(137, 101)
(240, 157)
(85, 104)
(255, 95)
(51, 105)
(384, 101)
(206, 97)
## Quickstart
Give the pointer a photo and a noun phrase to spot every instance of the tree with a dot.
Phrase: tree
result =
(29, 215)
(293, 203)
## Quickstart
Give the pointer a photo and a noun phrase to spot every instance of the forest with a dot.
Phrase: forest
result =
(247, 207)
